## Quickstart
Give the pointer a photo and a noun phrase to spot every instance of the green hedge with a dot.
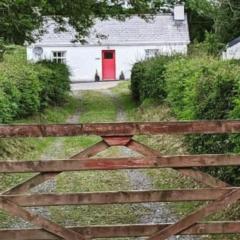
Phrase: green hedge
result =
(55, 83)
(147, 80)
(26, 89)
(207, 89)
(201, 88)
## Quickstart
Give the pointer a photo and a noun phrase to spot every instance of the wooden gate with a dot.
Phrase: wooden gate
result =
(217, 194)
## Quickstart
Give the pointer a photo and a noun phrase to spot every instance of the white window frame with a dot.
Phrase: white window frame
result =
(59, 56)
(150, 53)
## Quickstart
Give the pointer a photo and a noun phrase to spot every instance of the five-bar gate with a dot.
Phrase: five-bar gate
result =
(217, 194)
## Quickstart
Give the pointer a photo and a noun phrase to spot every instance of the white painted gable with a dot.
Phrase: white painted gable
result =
(232, 50)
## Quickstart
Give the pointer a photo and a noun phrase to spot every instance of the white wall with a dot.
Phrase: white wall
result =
(83, 61)
(232, 52)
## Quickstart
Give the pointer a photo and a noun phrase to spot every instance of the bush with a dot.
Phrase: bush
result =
(55, 83)
(136, 79)
(147, 80)
(26, 89)
(206, 89)
(196, 88)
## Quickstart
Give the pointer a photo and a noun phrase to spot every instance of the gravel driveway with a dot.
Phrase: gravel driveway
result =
(94, 85)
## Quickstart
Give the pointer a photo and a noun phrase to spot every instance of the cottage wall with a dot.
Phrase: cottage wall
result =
(84, 61)
(232, 52)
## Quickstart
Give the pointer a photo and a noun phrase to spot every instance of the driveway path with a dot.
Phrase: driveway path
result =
(139, 180)
(94, 85)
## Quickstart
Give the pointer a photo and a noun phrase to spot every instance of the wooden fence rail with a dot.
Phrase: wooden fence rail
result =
(120, 129)
(218, 195)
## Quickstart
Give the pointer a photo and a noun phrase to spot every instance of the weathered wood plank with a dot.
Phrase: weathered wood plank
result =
(17, 211)
(30, 183)
(195, 174)
(120, 129)
(226, 200)
(42, 177)
(122, 231)
(34, 200)
(117, 141)
(83, 164)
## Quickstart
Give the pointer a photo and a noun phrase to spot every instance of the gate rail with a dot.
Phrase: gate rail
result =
(217, 194)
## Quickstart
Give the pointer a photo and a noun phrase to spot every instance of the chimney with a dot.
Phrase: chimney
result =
(179, 13)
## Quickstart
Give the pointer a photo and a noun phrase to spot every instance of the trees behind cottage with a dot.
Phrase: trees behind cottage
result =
(18, 19)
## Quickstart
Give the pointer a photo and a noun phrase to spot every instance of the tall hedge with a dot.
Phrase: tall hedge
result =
(148, 79)
(203, 88)
(27, 88)
(207, 89)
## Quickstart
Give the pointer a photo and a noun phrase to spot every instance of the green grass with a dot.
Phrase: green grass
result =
(167, 145)
(103, 214)
(30, 148)
(124, 100)
(95, 107)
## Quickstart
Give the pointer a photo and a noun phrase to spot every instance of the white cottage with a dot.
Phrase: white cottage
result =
(112, 46)
(232, 50)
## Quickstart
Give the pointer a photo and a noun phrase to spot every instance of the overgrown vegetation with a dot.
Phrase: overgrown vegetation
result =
(196, 88)
(147, 80)
(26, 89)
(31, 93)
(31, 148)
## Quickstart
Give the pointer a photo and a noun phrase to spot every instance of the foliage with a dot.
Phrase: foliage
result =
(55, 82)
(18, 19)
(2, 49)
(148, 79)
(227, 20)
(136, 79)
(212, 44)
(202, 88)
(26, 88)
(223, 17)
(200, 16)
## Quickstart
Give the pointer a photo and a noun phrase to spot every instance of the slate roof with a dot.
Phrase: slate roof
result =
(234, 42)
(161, 29)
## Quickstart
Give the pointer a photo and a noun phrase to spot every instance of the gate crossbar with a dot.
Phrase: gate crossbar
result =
(218, 194)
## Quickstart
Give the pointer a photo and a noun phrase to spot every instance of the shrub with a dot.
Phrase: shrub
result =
(26, 88)
(147, 80)
(6, 113)
(206, 89)
(196, 88)
(55, 83)
(29, 88)
(136, 79)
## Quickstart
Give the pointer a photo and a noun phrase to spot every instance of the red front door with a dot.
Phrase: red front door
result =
(108, 65)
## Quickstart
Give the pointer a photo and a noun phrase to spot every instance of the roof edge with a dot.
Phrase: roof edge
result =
(234, 42)
(107, 45)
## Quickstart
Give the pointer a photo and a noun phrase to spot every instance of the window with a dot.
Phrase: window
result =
(59, 57)
(108, 55)
(151, 53)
